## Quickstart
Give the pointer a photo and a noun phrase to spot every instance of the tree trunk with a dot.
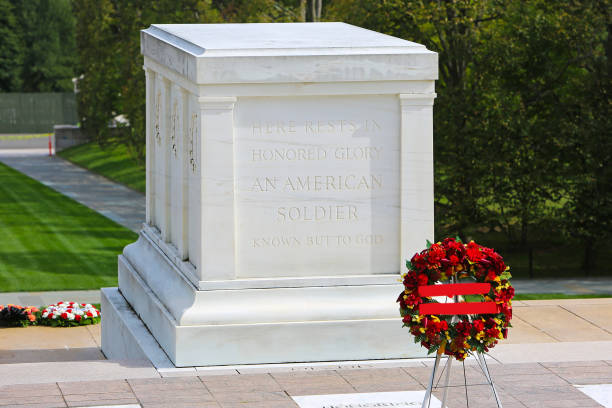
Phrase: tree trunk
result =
(588, 257)
(313, 9)
(303, 11)
(523, 231)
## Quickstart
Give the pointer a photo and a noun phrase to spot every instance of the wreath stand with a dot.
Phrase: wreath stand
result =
(456, 290)
(480, 359)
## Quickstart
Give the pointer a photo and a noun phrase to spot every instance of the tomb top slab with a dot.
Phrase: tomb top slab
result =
(280, 38)
(285, 53)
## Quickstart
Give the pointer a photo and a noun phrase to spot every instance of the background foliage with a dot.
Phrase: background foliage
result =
(37, 46)
(522, 119)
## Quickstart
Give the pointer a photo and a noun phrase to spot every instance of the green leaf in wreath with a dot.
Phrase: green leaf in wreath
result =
(472, 298)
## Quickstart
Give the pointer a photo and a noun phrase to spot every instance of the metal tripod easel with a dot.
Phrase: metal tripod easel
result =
(482, 363)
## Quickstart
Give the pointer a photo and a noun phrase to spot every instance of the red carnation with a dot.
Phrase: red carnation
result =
(473, 252)
(418, 261)
(436, 253)
(77, 318)
(410, 280)
(463, 328)
(64, 315)
(492, 332)
(89, 314)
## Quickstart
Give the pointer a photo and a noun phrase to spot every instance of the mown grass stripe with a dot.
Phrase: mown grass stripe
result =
(50, 242)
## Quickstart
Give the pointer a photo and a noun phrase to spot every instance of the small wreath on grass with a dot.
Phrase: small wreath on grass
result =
(69, 314)
(462, 263)
(17, 316)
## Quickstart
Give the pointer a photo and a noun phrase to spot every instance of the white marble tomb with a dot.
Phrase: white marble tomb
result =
(289, 176)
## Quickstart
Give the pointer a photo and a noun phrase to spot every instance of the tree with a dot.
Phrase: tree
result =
(587, 124)
(454, 30)
(47, 45)
(9, 49)
(261, 11)
(108, 36)
(549, 110)
(526, 64)
(99, 95)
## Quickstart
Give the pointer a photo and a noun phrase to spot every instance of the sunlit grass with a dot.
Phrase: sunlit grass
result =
(50, 242)
(113, 162)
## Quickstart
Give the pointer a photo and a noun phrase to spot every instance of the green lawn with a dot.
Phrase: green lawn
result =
(112, 162)
(50, 242)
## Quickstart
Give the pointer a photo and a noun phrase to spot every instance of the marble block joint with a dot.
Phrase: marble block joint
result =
(289, 177)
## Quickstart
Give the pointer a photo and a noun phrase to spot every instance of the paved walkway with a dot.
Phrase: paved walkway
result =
(545, 385)
(557, 354)
(115, 201)
(46, 298)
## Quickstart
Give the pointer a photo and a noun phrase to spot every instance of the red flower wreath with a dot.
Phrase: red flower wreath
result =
(471, 263)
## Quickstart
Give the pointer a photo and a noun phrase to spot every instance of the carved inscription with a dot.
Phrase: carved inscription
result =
(192, 142)
(157, 117)
(318, 190)
(173, 125)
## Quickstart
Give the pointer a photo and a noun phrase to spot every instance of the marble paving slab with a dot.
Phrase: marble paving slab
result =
(602, 393)
(114, 406)
(366, 400)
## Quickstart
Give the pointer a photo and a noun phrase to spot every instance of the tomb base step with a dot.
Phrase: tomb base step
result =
(125, 337)
(247, 326)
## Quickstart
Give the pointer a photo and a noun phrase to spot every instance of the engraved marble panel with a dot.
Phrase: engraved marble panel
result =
(317, 186)
(158, 141)
(150, 145)
(193, 175)
(175, 161)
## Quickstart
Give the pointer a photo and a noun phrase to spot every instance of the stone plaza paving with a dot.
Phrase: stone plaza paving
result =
(520, 385)
(555, 347)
